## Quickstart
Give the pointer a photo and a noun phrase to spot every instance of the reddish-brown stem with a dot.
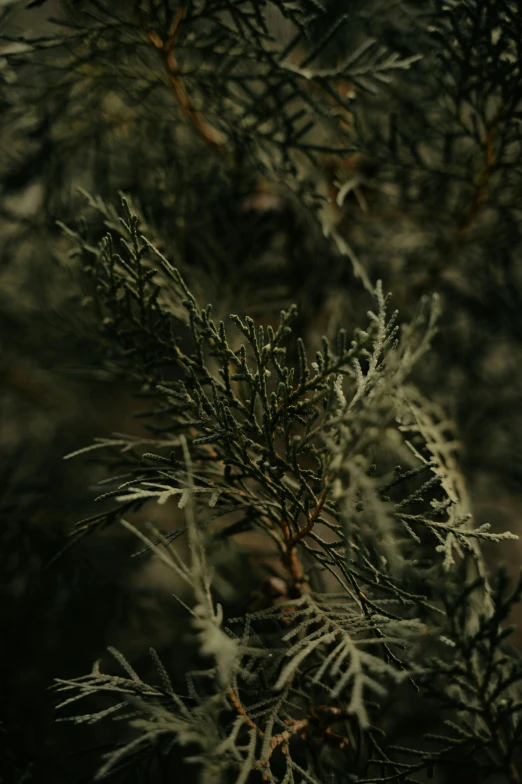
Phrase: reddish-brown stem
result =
(312, 519)
(284, 737)
(166, 50)
(483, 179)
(479, 197)
(291, 558)
(236, 702)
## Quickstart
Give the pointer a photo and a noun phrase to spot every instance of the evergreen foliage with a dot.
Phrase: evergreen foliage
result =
(286, 162)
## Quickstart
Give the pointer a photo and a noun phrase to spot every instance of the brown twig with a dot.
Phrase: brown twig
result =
(236, 702)
(166, 50)
(482, 181)
(285, 736)
(291, 558)
(323, 714)
(312, 519)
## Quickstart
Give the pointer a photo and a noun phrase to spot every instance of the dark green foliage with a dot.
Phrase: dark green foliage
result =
(290, 453)
(294, 471)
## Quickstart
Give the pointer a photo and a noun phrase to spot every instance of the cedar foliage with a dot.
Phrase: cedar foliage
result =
(204, 204)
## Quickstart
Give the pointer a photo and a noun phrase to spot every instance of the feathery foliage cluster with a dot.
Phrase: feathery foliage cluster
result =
(297, 476)
(370, 552)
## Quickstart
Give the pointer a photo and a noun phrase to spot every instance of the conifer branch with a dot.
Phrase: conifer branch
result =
(301, 494)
